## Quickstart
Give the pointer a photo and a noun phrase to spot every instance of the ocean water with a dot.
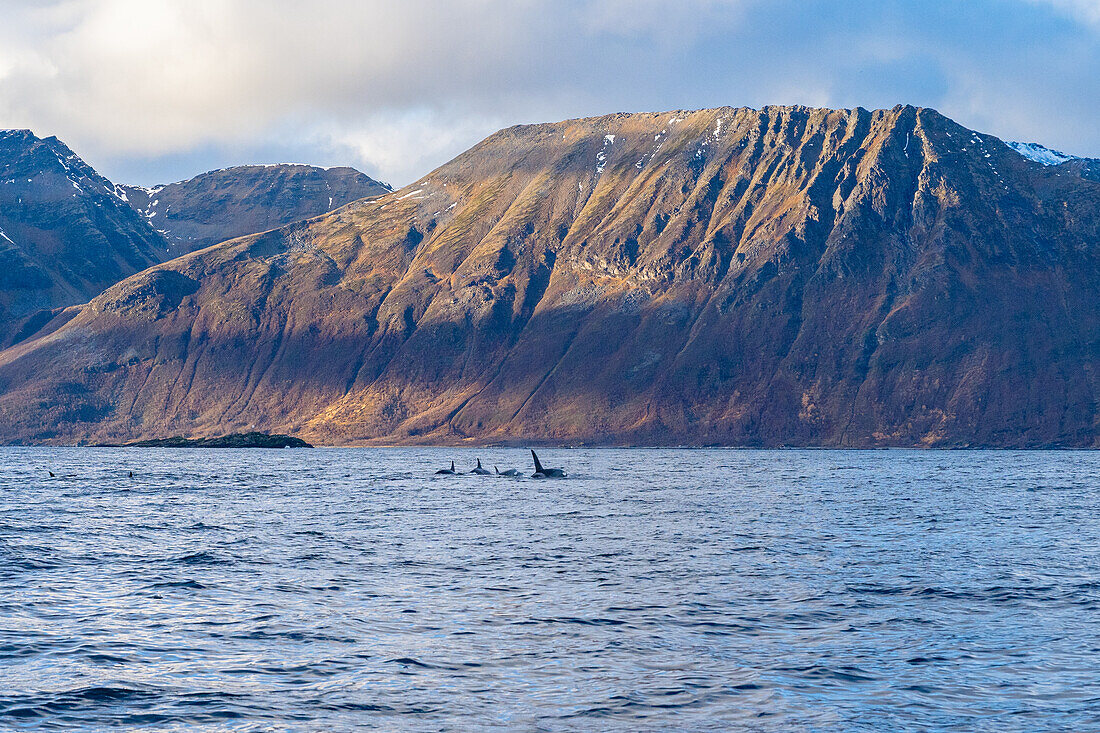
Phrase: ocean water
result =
(341, 589)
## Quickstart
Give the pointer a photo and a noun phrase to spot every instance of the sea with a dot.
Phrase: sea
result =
(649, 590)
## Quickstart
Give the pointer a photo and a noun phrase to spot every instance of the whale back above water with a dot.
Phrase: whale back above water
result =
(479, 470)
(541, 472)
(447, 471)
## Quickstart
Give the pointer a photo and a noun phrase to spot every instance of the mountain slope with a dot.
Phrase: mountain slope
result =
(232, 202)
(65, 233)
(784, 276)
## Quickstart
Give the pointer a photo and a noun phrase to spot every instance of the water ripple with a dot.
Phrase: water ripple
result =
(653, 590)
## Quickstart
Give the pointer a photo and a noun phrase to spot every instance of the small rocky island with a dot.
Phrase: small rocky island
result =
(235, 440)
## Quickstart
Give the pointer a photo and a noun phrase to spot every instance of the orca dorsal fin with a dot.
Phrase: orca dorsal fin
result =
(496, 469)
(538, 466)
(479, 463)
(452, 465)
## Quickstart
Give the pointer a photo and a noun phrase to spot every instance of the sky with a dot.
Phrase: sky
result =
(153, 91)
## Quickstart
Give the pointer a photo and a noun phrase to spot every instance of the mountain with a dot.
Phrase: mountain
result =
(65, 232)
(232, 202)
(784, 276)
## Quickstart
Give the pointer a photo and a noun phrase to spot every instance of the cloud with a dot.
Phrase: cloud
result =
(413, 140)
(153, 90)
(1085, 11)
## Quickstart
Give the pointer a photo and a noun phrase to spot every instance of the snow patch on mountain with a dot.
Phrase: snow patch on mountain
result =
(1041, 154)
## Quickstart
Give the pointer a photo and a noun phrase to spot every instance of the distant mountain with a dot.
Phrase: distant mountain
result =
(232, 202)
(784, 276)
(65, 232)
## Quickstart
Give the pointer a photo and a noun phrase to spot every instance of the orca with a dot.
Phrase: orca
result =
(509, 472)
(51, 474)
(479, 470)
(447, 471)
(541, 472)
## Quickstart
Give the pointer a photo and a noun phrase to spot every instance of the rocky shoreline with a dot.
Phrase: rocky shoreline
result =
(235, 440)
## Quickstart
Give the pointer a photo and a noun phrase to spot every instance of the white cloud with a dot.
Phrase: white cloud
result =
(126, 77)
(406, 144)
(398, 87)
(1086, 11)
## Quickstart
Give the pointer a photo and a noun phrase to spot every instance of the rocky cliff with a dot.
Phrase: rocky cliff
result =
(787, 276)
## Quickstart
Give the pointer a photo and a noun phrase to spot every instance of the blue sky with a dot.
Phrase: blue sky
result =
(151, 91)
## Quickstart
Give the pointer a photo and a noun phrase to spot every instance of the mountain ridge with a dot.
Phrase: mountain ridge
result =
(785, 276)
(230, 202)
(67, 233)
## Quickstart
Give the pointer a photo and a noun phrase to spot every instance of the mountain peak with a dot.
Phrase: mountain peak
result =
(231, 202)
(21, 133)
(67, 234)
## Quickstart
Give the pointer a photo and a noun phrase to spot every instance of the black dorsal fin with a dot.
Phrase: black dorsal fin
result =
(452, 465)
(538, 466)
(496, 469)
(479, 463)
